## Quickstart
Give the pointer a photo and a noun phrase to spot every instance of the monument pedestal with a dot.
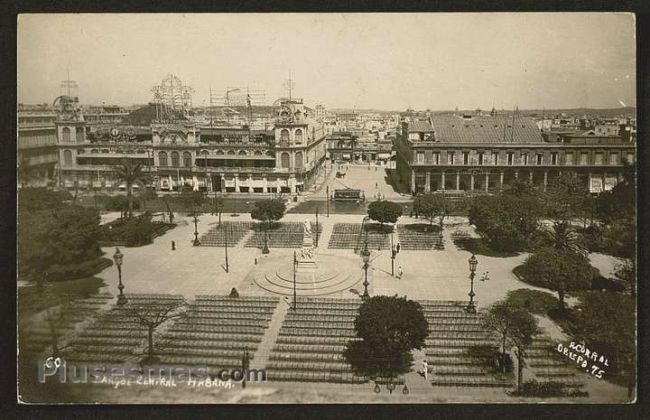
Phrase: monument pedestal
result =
(306, 266)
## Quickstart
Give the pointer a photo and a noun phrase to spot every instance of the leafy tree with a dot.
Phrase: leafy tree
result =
(68, 235)
(535, 301)
(563, 200)
(606, 322)
(558, 270)
(151, 315)
(499, 317)
(119, 203)
(192, 200)
(523, 327)
(32, 199)
(389, 328)
(131, 174)
(432, 206)
(620, 202)
(384, 211)
(269, 211)
(519, 187)
(508, 222)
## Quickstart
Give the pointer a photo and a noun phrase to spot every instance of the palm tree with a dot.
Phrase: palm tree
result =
(131, 174)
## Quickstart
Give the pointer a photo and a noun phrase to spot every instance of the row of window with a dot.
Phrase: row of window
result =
(493, 158)
(284, 135)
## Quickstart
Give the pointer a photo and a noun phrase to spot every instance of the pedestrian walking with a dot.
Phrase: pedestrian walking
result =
(173, 246)
(400, 272)
(398, 247)
(425, 366)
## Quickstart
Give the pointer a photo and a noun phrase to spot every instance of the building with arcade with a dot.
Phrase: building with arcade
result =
(481, 152)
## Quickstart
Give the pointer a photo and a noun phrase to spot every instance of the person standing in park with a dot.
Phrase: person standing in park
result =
(400, 272)
(425, 367)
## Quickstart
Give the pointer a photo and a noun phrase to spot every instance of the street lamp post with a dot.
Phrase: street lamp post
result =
(365, 255)
(118, 257)
(196, 232)
(295, 298)
(226, 247)
(327, 199)
(316, 227)
(473, 262)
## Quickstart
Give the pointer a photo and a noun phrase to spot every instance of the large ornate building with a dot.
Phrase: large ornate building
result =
(181, 153)
(476, 152)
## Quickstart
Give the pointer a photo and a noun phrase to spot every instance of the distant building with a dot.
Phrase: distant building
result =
(37, 153)
(482, 153)
(319, 113)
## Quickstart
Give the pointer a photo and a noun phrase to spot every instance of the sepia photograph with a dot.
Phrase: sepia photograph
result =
(326, 208)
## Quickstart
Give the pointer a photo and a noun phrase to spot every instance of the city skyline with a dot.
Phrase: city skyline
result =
(363, 61)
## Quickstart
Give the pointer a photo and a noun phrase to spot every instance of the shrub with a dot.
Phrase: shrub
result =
(133, 231)
(557, 270)
(535, 301)
(58, 272)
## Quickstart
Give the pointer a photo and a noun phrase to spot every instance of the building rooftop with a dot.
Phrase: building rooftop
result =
(420, 127)
(452, 128)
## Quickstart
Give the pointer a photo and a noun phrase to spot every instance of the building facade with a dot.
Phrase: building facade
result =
(37, 150)
(483, 152)
(183, 154)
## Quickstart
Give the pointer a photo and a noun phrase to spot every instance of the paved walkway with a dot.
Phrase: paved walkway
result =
(265, 347)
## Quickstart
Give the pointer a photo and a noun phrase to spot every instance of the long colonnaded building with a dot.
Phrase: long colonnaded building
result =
(477, 152)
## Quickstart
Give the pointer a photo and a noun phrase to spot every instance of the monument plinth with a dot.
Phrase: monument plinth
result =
(306, 257)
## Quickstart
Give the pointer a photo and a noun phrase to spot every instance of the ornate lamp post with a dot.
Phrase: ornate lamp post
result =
(316, 227)
(196, 232)
(118, 257)
(365, 255)
(295, 264)
(473, 262)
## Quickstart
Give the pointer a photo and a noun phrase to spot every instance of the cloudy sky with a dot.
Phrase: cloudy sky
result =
(386, 61)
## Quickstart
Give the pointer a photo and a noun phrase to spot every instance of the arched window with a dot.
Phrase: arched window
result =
(298, 158)
(231, 152)
(187, 159)
(298, 136)
(258, 153)
(175, 162)
(242, 153)
(220, 152)
(94, 151)
(284, 160)
(67, 156)
(162, 158)
(284, 135)
(80, 135)
(65, 134)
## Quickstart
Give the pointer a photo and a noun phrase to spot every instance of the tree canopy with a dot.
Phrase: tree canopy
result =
(558, 270)
(269, 210)
(523, 328)
(389, 328)
(507, 221)
(68, 235)
(32, 199)
(432, 206)
(384, 211)
(606, 321)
